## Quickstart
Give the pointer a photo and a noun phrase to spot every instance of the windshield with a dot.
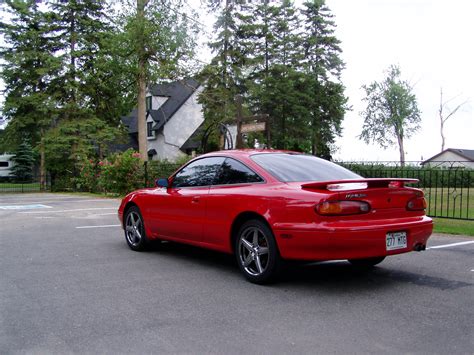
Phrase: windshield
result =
(288, 167)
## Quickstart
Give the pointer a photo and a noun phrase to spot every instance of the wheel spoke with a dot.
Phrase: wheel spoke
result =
(259, 264)
(132, 219)
(262, 251)
(138, 235)
(255, 238)
(129, 229)
(248, 260)
(247, 244)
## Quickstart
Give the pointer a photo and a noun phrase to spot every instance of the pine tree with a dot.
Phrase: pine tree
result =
(23, 161)
(87, 91)
(321, 62)
(279, 88)
(222, 76)
(28, 70)
(286, 64)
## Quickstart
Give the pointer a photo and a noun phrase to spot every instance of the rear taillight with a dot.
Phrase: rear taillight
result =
(416, 204)
(342, 208)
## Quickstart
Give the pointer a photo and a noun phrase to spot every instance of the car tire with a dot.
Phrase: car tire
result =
(257, 253)
(368, 262)
(135, 229)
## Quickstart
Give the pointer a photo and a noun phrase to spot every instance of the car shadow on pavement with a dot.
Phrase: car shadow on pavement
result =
(343, 273)
(201, 256)
(338, 275)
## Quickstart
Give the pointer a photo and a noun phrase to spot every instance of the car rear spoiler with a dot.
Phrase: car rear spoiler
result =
(358, 184)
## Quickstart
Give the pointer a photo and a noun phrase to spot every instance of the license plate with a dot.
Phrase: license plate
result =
(397, 240)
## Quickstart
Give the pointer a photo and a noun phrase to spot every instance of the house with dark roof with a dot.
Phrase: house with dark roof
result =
(452, 158)
(173, 115)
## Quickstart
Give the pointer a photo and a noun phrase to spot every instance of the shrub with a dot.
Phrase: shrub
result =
(88, 176)
(121, 173)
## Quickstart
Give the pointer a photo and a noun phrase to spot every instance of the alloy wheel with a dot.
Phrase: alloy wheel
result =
(253, 251)
(133, 228)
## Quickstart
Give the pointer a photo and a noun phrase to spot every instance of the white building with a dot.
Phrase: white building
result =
(452, 158)
(173, 115)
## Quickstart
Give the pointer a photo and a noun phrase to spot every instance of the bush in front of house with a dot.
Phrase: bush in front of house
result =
(88, 176)
(121, 173)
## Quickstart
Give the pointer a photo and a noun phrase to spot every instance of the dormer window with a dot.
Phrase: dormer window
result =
(149, 132)
(148, 103)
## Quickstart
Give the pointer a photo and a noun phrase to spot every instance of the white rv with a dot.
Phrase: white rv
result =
(5, 165)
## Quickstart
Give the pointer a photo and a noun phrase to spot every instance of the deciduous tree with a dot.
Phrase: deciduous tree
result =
(445, 113)
(158, 43)
(392, 113)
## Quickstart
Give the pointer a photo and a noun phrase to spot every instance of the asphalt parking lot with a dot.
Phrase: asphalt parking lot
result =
(70, 284)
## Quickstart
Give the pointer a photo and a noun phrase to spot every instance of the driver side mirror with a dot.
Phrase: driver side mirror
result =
(162, 182)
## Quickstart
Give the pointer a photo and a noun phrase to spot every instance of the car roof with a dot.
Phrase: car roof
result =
(247, 152)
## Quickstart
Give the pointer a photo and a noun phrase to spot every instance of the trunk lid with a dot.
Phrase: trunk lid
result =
(381, 194)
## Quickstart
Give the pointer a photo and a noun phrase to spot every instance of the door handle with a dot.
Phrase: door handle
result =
(195, 199)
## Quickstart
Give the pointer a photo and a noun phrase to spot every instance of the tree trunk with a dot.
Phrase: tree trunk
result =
(402, 150)
(441, 119)
(42, 164)
(443, 139)
(314, 140)
(72, 48)
(141, 114)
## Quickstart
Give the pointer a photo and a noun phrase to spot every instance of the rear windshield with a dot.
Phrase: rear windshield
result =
(299, 167)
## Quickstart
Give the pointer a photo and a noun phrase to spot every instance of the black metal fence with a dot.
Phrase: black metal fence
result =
(448, 186)
(12, 185)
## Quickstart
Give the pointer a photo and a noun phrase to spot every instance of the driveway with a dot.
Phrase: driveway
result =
(70, 284)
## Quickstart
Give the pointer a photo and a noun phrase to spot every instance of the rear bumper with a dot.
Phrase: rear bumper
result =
(342, 240)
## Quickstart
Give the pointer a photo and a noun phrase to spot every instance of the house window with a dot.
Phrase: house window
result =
(149, 132)
(148, 103)
(3, 164)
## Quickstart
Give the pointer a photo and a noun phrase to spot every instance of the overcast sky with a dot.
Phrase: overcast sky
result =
(430, 40)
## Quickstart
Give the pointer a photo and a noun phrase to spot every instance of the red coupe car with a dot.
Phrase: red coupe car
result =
(266, 206)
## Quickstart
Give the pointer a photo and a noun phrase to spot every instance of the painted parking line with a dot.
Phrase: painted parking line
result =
(450, 245)
(74, 210)
(61, 201)
(103, 226)
(23, 207)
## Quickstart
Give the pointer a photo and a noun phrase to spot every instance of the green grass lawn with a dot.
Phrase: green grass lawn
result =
(450, 202)
(453, 226)
(16, 187)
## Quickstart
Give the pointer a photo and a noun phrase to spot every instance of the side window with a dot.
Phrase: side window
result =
(234, 172)
(148, 103)
(199, 173)
(149, 126)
